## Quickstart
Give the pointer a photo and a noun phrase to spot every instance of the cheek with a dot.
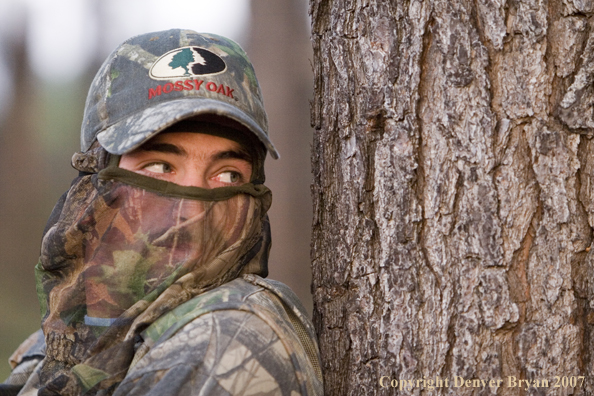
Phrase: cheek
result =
(229, 217)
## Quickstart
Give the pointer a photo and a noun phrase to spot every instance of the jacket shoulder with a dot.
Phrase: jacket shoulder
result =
(270, 305)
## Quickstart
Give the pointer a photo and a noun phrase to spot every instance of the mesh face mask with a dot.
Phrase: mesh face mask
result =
(120, 250)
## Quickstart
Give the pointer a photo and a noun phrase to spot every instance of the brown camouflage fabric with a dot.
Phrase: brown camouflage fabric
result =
(117, 257)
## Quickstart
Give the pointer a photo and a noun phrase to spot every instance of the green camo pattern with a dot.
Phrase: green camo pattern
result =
(243, 332)
(250, 336)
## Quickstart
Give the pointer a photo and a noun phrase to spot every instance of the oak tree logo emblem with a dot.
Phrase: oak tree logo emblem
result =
(186, 62)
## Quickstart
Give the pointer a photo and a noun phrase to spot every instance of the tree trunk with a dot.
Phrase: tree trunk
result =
(453, 196)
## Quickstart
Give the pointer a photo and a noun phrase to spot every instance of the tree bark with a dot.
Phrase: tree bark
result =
(453, 195)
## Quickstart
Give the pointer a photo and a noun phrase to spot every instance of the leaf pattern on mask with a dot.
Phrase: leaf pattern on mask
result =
(128, 255)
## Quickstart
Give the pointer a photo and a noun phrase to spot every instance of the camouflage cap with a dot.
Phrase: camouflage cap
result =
(154, 80)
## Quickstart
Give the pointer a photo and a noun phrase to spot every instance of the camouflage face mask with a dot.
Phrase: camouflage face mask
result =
(119, 256)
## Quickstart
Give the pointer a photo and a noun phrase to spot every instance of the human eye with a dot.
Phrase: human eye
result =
(229, 177)
(158, 167)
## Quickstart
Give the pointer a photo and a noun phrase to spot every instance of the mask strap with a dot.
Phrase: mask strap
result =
(114, 172)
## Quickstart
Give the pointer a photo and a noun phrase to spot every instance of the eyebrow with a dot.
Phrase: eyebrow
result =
(173, 149)
(237, 154)
(163, 148)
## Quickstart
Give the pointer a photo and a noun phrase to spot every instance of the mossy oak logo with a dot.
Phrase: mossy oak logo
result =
(186, 62)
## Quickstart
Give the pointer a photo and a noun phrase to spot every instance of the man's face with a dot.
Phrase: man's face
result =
(191, 159)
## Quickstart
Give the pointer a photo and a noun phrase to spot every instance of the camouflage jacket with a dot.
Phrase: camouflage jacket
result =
(249, 336)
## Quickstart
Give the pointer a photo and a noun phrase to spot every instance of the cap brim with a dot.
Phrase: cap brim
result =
(142, 126)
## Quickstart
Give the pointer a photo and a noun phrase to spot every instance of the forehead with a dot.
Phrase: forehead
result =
(195, 141)
(188, 145)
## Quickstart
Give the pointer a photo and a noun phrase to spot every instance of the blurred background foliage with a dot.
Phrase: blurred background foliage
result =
(49, 53)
